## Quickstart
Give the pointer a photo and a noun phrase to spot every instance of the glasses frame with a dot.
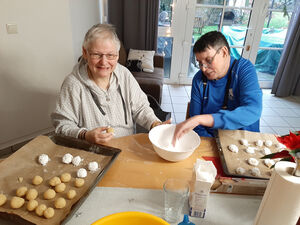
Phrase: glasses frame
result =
(98, 56)
(209, 62)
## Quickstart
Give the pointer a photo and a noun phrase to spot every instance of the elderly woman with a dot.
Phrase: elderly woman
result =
(100, 93)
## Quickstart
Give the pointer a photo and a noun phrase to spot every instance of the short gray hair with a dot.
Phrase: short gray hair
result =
(105, 31)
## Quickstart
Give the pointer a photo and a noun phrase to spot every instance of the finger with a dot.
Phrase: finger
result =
(169, 121)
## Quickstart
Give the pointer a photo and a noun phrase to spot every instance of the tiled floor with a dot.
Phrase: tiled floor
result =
(279, 116)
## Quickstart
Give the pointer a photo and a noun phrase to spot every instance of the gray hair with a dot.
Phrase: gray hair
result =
(104, 31)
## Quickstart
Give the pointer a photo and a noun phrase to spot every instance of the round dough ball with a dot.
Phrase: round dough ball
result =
(280, 146)
(67, 158)
(65, 177)
(253, 161)
(93, 166)
(21, 191)
(44, 159)
(37, 180)
(31, 194)
(16, 202)
(79, 182)
(71, 194)
(2, 199)
(266, 151)
(60, 187)
(81, 173)
(259, 143)
(31, 205)
(233, 148)
(240, 170)
(255, 171)
(269, 162)
(49, 213)
(54, 181)
(60, 203)
(40, 209)
(250, 150)
(76, 161)
(49, 194)
(268, 143)
(244, 142)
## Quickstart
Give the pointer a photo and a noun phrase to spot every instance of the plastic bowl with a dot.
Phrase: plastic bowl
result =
(161, 137)
(131, 218)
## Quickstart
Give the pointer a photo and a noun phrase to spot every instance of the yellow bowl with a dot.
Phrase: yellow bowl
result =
(131, 218)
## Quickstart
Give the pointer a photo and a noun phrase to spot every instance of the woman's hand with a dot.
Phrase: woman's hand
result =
(157, 123)
(99, 135)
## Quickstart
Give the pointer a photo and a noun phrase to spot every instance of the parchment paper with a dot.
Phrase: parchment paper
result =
(234, 160)
(24, 163)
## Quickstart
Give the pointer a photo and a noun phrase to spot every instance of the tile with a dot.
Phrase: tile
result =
(167, 107)
(180, 117)
(179, 100)
(285, 112)
(266, 130)
(176, 87)
(282, 130)
(293, 121)
(275, 121)
(292, 104)
(179, 108)
(297, 111)
(275, 104)
(178, 92)
(166, 100)
(267, 111)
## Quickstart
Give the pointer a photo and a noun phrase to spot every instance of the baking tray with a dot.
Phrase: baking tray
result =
(108, 152)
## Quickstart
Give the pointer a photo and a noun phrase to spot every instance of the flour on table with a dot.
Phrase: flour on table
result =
(250, 150)
(67, 158)
(233, 148)
(244, 142)
(255, 171)
(253, 161)
(240, 170)
(266, 151)
(269, 162)
(259, 143)
(44, 159)
(268, 143)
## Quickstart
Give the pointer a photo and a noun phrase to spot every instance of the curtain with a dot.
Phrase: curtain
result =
(287, 79)
(135, 21)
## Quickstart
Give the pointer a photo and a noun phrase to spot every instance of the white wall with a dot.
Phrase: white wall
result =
(34, 62)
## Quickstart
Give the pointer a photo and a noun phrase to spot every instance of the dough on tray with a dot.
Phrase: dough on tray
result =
(44, 159)
(250, 150)
(54, 181)
(81, 173)
(79, 182)
(40, 209)
(2, 199)
(240, 170)
(60, 203)
(269, 162)
(244, 142)
(60, 187)
(21, 191)
(37, 180)
(252, 161)
(31, 194)
(32, 204)
(233, 148)
(65, 177)
(268, 143)
(16, 202)
(67, 158)
(49, 194)
(259, 143)
(76, 160)
(266, 151)
(93, 166)
(255, 171)
(49, 213)
(71, 194)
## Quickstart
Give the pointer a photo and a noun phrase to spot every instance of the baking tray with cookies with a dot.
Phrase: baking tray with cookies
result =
(240, 153)
(48, 179)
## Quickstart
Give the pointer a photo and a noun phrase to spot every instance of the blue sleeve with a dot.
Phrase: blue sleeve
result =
(246, 89)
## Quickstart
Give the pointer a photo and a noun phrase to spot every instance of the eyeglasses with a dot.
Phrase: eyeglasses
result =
(97, 56)
(209, 62)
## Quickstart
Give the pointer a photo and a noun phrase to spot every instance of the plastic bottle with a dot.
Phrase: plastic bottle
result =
(186, 221)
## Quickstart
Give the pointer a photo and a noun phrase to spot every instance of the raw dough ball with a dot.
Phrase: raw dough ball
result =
(37, 180)
(54, 181)
(240, 170)
(67, 158)
(259, 143)
(31, 194)
(31, 205)
(76, 160)
(253, 161)
(269, 162)
(280, 146)
(93, 166)
(2, 199)
(71, 194)
(233, 148)
(44, 159)
(250, 150)
(40, 209)
(81, 173)
(60, 203)
(110, 130)
(21, 191)
(49, 194)
(65, 177)
(244, 142)
(60, 187)
(255, 171)
(16, 202)
(79, 182)
(266, 151)
(268, 143)
(20, 179)
(49, 213)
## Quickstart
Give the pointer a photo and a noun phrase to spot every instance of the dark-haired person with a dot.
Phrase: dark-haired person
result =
(225, 91)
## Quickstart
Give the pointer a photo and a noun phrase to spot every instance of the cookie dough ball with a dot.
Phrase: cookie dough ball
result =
(76, 160)
(37, 180)
(49, 213)
(79, 182)
(255, 171)
(49, 194)
(93, 166)
(266, 151)
(16, 202)
(67, 158)
(269, 162)
(280, 146)
(110, 130)
(31, 194)
(71, 194)
(81, 173)
(65, 177)
(60, 187)
(54, 181)
(60, 203)
(2, 199)
(21, 191)
(244, 142)
(259, 143)
(240, 170)
(268, 143)
(44, 159)
(253, 161)
(31, 205)
(250, 150)
(233, 148)
(40, 209)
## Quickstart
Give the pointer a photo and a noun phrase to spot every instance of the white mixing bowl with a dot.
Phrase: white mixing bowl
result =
(161, 138)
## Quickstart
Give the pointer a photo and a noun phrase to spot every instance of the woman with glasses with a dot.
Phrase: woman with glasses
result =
(225, 91)
(101, 94)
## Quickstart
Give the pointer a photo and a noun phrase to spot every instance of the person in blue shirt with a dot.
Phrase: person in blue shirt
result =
(225, 91)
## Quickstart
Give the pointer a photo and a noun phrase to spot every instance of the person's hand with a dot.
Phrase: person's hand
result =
(183, 128)
(157, 123)
(99, 135)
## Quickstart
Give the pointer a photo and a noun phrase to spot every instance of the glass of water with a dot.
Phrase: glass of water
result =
(175, 192)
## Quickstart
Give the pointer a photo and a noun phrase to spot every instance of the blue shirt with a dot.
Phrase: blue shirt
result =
(244, 99)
